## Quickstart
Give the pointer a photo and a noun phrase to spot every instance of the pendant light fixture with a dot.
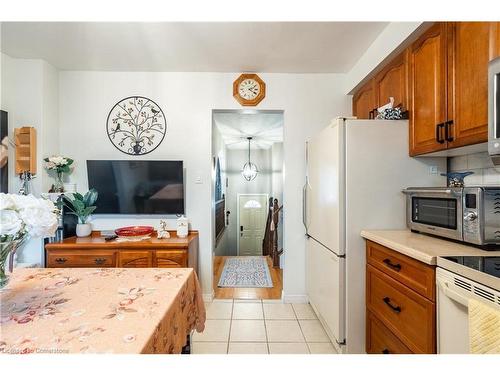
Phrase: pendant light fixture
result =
(249, 171)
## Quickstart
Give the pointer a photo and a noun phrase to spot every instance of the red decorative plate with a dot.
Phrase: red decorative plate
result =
(134, 231)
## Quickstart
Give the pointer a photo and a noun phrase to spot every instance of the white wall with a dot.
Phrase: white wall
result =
(277, 171)
(187, 99)
(30, 94)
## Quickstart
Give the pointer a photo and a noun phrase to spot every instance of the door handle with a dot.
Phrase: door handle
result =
(447, 131)
(388, 263)
(385, 351)
(61, 260)
(99, 260)
(304, 206)
(438, 133)
(241, 230)
(387, 301)
(452, 294)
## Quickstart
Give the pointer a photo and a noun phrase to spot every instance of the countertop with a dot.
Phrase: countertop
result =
(422, 247)
(100, 310)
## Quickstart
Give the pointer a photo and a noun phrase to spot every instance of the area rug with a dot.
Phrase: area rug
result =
(245, 272)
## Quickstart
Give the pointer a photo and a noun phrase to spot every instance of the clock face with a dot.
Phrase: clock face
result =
(248, 89)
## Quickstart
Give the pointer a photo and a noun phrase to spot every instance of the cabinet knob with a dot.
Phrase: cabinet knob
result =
(387, 301)
(61, 260)
(100, 260)
(388, 263)
(385, 351)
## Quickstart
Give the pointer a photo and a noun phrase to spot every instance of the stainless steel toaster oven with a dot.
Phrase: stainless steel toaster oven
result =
(468, 214)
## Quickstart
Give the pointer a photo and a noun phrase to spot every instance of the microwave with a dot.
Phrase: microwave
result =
(467, 214)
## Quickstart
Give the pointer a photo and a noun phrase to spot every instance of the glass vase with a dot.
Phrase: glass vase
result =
(7, 252)
(59, 184)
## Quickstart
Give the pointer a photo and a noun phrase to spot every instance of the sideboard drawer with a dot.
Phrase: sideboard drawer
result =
(380, 340)
(171, 258)
(414, 274)
(407, 314)
(81, 259)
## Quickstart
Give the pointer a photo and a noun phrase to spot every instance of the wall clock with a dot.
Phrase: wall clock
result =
(249, 89)
(136, 125)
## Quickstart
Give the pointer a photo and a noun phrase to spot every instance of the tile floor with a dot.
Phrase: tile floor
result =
(260, 327)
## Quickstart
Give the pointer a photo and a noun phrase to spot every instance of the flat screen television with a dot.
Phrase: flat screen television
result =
(137, 187)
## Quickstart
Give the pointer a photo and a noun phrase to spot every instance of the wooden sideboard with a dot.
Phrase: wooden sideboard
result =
(94, 251)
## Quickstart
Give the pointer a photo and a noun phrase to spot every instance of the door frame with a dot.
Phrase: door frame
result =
(239, 195)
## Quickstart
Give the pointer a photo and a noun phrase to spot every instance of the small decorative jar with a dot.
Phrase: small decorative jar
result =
(182, 227)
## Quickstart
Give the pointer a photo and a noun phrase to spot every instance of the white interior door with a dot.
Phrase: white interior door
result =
(252, 215)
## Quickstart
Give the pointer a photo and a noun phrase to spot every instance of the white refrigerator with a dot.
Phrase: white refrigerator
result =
(356, 170)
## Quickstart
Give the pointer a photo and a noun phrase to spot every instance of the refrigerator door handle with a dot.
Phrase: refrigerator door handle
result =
(304, 206)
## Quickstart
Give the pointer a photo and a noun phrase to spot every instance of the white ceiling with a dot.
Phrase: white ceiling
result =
(266, 128)
(280, 47)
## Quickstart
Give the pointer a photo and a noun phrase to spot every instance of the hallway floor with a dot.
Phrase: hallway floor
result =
(260, 327)
(248, 293)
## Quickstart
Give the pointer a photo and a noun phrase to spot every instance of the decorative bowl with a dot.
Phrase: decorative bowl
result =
(134, 231)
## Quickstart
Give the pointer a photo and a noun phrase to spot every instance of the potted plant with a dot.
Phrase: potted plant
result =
(82, 207)
(61, 165)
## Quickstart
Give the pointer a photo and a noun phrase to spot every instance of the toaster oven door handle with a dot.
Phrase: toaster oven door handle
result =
(426, 191)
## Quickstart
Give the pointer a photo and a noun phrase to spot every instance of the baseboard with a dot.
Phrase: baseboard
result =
(295, 298)
(208, 297)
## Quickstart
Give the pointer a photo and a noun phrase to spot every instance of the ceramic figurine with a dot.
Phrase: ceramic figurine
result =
(182, 227)
(163, 232)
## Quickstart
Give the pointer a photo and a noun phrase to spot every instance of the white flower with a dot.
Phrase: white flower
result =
(6, 202)
(58, 160)
(50, 165)
(39, 221)
(25, 201)
(10, 223)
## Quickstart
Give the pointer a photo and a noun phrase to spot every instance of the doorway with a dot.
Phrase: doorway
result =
(247, 156)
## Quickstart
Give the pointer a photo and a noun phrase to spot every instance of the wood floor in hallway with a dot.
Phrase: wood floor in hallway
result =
(248, 293)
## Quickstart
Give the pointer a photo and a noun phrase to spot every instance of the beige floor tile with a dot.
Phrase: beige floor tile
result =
(272, 301)
(321, 348)
(209, 348)
(248, 348)
(304, 311)
(248, 311)
(215, 331)
(288, 348)
(247, 301)
(219, 310)
(248, 330)
(313, 331)
(283, 331)
(278, 311)
(225, 300)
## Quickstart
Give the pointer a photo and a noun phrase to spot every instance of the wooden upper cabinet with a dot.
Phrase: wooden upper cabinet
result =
(135, 259)
(363, 101)
(427, 90)
(494, 40)
(468, 57)
(392, 81)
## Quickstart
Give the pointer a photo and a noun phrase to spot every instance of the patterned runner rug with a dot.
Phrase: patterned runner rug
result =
(245, 272)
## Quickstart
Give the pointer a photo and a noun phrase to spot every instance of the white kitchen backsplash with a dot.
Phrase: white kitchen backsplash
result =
(485, 173)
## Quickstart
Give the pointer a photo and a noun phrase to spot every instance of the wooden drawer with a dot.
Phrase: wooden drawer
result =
(414, 274)
(407, 314)
(380, 340)
(135, 259)
(171, 258)
(81, 259)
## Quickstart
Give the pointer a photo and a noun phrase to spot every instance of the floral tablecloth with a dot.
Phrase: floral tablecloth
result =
(94, 310)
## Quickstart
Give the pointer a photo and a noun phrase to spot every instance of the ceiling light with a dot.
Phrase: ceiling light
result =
(249, 171)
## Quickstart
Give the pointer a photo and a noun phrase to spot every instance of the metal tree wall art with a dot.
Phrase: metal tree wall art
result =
(136, 125)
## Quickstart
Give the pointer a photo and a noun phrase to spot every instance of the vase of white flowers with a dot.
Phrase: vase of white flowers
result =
(59, 165)
(22, 217)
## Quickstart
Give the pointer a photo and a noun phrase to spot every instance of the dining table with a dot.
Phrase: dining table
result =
(100, 310)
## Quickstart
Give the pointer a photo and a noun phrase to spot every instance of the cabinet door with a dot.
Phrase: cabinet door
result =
(171, 258)
(363, 101)
(135, 259)
(393, 81)
(427, 83)
(468, 57)
(494, 40)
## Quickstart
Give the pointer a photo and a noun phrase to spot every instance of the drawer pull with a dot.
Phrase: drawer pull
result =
(385, 351)
(100, 260)
(387, 301)
(61, 260)
(388, 263)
